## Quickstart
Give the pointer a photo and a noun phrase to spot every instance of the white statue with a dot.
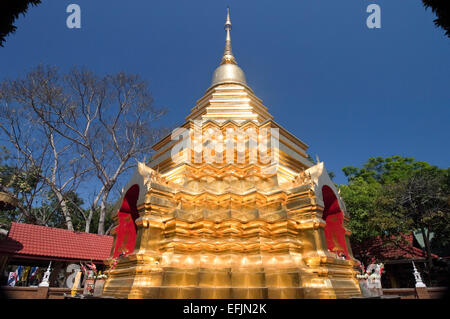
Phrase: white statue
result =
(419, 282)
(370, 280)
(45, 282)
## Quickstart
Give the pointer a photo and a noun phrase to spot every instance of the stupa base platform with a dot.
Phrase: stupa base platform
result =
(133, 279)
(235, 293)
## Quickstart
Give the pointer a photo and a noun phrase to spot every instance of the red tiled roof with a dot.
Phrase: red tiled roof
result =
(390, 250)
(34, 240)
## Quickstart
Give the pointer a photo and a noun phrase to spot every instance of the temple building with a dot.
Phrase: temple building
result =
(230, 206)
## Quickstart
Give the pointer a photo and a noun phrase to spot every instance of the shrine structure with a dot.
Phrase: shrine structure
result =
(217, 213)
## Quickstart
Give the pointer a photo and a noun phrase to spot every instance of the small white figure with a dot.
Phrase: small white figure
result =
(45, 282)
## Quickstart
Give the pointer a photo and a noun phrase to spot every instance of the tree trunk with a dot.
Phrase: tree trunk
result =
(101, 220)
(87, 227)
(65, 210)
(426, 241)
(88, 221)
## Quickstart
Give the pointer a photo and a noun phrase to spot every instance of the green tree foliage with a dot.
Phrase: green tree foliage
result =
(385, 170)
(74, 205)
(372, 212)
(9, 12)
(15, 179)
(20, 183)
(442, 10)
(423, 202)
(395, 195)
(360, 199)
(38, 205)
(78, 213)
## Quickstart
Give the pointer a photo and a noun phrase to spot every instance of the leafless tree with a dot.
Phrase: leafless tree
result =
(38, 148)
(107, 121)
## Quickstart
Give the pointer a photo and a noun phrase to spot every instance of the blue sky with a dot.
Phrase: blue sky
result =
(347, 91)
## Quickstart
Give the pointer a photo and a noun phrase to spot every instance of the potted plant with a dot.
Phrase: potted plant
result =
(99, 283)
(90, 272)
(88, 280)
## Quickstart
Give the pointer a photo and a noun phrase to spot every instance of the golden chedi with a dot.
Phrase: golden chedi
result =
(230, 207)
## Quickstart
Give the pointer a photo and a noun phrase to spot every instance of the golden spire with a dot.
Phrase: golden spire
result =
(228, 70)
(228, 53)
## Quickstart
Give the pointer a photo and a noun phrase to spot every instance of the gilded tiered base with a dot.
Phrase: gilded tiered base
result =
(231, 233)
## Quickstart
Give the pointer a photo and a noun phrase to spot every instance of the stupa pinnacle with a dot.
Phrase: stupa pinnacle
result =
(228, 71)
(228, 53)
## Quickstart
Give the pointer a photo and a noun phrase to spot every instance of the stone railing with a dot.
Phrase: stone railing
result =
(416, 293)
(58, 293)
(35, 292)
